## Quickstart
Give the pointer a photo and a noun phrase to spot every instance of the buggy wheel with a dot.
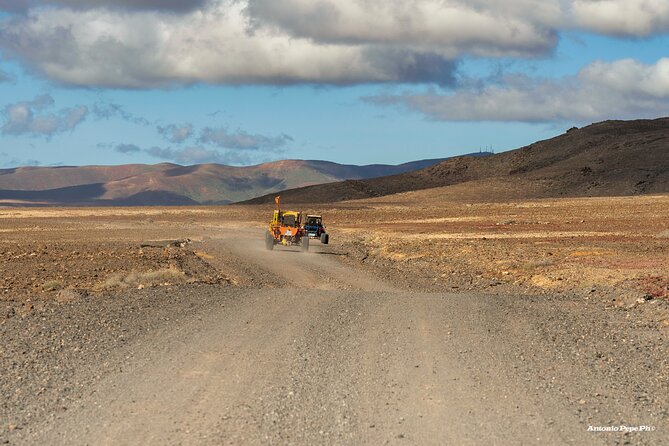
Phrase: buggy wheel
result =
(305, 243)
(269, 241)
(325, 238)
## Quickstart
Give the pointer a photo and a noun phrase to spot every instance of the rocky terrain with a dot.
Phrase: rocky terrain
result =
(409, 318)
(612, 248)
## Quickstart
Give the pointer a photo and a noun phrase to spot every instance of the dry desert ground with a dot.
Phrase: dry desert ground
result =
(429, 318)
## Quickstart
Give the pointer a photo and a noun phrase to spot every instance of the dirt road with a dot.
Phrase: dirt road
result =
(306, 350)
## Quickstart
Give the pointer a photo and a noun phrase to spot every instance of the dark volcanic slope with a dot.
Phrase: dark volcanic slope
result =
(608, 158)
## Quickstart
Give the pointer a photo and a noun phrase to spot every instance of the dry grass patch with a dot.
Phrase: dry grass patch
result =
(536, 264)
(134, 279)
(203, 255)
(52, 285)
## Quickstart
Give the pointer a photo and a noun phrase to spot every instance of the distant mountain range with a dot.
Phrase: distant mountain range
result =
(603, 159)
(607, 158)
(170, 184)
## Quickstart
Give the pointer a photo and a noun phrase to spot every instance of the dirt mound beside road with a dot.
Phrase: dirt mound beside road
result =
(611, 158)
(64, 271)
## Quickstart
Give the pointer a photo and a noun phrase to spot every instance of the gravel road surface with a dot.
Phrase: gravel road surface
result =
(304, 349)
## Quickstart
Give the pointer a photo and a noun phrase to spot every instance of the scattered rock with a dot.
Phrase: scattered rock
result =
(69, 295)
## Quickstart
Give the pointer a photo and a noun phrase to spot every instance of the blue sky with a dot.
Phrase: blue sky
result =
(243, 82)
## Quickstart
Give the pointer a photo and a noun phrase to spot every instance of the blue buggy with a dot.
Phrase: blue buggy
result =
(314, 227)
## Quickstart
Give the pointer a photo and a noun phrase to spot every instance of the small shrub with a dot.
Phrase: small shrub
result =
(149, 278)
(535, 264)
(52, 285)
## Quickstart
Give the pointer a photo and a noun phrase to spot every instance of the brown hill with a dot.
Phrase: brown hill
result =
(608, 158)
(171, 184)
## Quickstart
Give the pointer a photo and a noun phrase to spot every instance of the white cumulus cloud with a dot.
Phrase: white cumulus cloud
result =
(127, 148)
(163, 5)
(32, 118)
(602, 90)
(176, 133)
(197, 155)
(282, 41)
(242, 140)
(151, 43)
(638, 18)
(150, 49)
(445, 27)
